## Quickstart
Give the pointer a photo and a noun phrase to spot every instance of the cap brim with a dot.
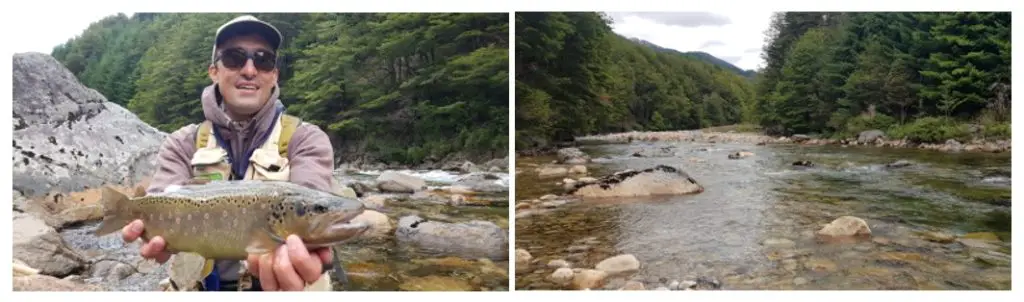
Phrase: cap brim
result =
(268, 32)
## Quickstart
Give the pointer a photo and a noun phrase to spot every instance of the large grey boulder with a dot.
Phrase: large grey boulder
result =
(68, 137)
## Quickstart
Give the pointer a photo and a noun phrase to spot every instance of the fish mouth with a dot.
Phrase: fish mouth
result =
(338, 229)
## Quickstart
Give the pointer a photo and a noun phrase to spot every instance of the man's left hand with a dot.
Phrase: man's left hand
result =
(290, 267)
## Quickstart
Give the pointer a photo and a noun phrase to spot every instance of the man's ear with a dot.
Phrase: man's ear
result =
(212, 72)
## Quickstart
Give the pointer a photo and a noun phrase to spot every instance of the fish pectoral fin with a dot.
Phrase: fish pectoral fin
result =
(261, 242)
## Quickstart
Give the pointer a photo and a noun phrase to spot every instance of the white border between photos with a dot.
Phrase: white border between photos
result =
(20, 16)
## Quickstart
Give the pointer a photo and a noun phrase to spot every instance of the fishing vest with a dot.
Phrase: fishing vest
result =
(268, 162)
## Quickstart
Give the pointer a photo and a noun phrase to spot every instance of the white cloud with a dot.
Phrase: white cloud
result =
(735, 41)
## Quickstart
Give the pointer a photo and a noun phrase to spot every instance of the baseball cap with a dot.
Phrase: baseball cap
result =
(243, 25)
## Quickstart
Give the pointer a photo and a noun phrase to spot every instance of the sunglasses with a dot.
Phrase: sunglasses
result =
(235, 58)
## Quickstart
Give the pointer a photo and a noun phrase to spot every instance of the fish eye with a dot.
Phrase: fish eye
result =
(319, 209)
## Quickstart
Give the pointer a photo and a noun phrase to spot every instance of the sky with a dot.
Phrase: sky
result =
(735, 36)
(45, 35)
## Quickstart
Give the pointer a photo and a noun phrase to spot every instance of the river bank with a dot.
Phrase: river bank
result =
(937, 220)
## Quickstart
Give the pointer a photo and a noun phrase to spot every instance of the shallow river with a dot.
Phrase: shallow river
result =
(721, 234)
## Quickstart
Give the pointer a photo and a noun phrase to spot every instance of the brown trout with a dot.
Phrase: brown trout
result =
(228, 220)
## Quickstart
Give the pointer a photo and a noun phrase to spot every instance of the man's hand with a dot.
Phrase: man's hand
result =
(154, 249)
(290, 267)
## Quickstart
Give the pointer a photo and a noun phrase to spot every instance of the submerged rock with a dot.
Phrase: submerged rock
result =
(659, 180)
(474, 239)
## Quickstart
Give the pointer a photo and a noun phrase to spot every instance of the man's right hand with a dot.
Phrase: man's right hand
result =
(153, 249)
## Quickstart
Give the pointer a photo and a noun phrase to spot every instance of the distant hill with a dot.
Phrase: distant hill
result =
(700, 55)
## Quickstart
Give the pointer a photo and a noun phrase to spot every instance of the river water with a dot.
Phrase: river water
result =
(753, 226)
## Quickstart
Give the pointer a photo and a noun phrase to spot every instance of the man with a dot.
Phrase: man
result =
(239, 140)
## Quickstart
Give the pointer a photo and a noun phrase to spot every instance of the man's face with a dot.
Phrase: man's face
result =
(245, 86)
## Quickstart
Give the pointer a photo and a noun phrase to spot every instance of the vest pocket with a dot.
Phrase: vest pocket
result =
(267, 164)
(211, 164)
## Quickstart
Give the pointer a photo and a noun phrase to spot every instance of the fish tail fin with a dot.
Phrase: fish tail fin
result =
(112, 201)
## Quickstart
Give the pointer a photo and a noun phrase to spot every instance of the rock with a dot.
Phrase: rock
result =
(618, 265)
(68, 137)
(380, 225)
(898, 164)
(523, 259)
(845, 226)
(660, 180)
(633, 285)
(820, 265)
(778, 243)
(473, 239)
(578, 169)
(979, 244)
(572, 156)
(458, 200)
(549, 197)
(545, 172)
(497, 164)
(44, 283)
(938, 237)
(435, 283)
(588, 279)
(347, 192)
(803, 163)
(40, 246)
(558, 263)
(375, 201)
(986, 236)
(798, 281)
(740, 154)
(562, 276)
(867, 137)
(479, 183)
(395, 182)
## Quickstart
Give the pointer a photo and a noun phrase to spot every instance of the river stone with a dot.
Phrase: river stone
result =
(558, 263)
(846, 226)
(572, 156)
(473, 239)
(659, 180)
(633, 285)
(545, 172)
(589, 279)
(44, 283)
(867, 137)
(620, 264)
(562, 276)
(68, 137)
(40, 246)
(395, 182)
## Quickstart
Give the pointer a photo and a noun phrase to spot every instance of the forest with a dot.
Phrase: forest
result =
(393, 88)
(574, 76)
(925, 77)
